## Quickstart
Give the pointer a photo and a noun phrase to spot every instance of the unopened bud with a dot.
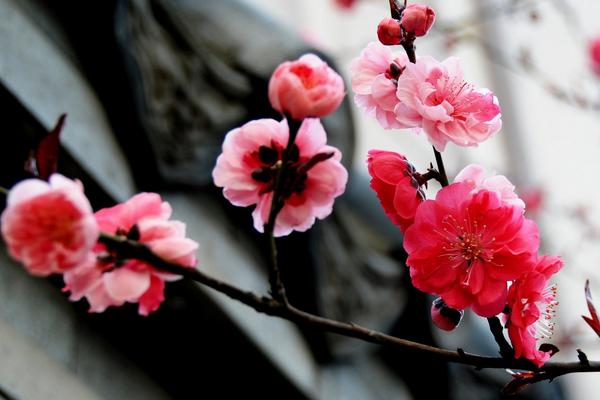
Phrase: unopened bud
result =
(389, 31)
(417, 19)
(445, 317)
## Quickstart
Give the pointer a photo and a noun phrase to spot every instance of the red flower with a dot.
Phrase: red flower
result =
(465, 247)
(532, 305)
(394, 181)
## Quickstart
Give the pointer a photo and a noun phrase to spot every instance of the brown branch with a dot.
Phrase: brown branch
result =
(128, 249)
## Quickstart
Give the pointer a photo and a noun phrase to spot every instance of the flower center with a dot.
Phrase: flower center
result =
(544, 326)
(294, 174)
(466, 240)
(306, 75)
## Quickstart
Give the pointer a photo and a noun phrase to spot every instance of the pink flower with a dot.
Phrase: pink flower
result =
(49, 226)
(107, 281)
(247, 168)
(474, 175)
(305, 88)
(532, 305)
(375, 75)
(451, 109)
(465, 247)
(594, 54)
(389, 32)
(393, 178)
(347, 4)
(417, 19)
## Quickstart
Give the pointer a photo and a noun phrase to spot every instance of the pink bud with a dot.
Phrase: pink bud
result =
(417, 19)
(594, 53)
(389, 31)
(305, 88)
(444, 317)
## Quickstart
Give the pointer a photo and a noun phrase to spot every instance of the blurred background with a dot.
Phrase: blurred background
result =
(150, 88)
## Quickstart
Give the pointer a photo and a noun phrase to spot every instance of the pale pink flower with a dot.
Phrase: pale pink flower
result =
(466, 247)
(474, 175)
(594, 54)
(49, 226)
(396, 183)
(305, 88)
(246, 171)
(105, 281)
(452, 110)
(417, 19)
(532, 305)
(375, 75)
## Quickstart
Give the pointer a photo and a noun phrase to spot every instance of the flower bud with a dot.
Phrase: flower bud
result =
(594, 54)
(305, 88)
(389, 31)
(417, 19)
(444, 317)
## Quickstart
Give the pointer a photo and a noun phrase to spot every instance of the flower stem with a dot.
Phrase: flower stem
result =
(506, 350)
(441, 169)
(277, 203)
(4, 191)
(132, 249)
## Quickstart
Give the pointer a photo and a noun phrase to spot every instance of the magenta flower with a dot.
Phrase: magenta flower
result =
(417, 19)
(305, 88)
(474, 175)
(452, 110)
(465, 247)
(375, 75)
(594, 54)
(247, 168)
(49, 226)
(106, 281)
(532, 305)
(394, 180)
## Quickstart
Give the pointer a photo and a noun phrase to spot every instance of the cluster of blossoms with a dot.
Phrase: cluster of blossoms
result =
(426, 95)
(50, 228)
(263, 154)
(472, 245)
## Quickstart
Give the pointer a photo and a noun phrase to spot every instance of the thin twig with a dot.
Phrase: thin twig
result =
(506, 349)
(268, 305)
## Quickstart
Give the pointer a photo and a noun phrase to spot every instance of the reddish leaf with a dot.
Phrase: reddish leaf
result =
(520, 381)
(593, 322)
(46, 155)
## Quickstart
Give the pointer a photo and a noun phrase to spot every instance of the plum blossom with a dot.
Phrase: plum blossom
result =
(474, 175)
(107, 281)
(465, 247)
(394, 180)
(417, 19)
(532, 305)
(305, 88)
(375, 75)
(49, 226)
(248, 166)
(452, 110)
(594, 54)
